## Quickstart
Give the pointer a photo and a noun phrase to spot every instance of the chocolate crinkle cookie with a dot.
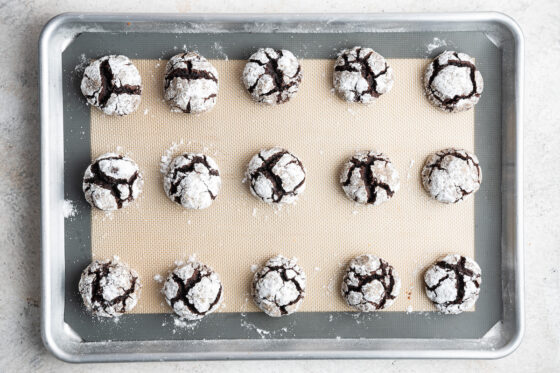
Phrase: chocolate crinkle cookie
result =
(279, 286)
(453, 283)
(112, 181)
(362, 75)
(452, 82)
(192, 180)
(276, 176)
(193, 290)
(272, 76)
(191, 83)
(370, 284)
(109, 288)
(451, 175)
(113, 84)
(369, 177)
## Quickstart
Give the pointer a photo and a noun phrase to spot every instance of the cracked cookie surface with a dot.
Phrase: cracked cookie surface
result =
(362, 75)
(112, 181)
(191, 83)
(451, 175)
(193, 290)
(112, 84)
(453, 283)
(369, 177)
(276, 176)
(192, 180)
(278, 287)
(452, 82)
(272, 76)
(109, 288)
(370, 284)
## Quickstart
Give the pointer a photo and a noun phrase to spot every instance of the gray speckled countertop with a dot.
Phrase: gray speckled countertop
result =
(21, 348)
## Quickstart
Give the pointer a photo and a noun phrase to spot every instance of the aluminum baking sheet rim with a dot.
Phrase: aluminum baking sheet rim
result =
(64, 344)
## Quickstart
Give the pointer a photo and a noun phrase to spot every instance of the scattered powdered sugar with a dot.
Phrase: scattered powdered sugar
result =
(410, 165)
(69, 208)
(167, 156)
(254, 268)
(436, 43)
(254, 211)
(220, 51)
(329, 287)
(262, 332)
(409, 309)
(146, 110)
(184, 324)
(158, 278)
(81, 66)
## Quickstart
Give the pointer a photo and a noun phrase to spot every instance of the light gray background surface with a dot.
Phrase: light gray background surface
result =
(20, 24)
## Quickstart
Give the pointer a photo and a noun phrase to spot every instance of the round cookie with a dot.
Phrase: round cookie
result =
(193, 290)
(276, 176)
(370, 284)
(112, 84)
(192, 180)
(109, 288)
(369, 178)
(279, 286)
(272, 76)
(453, 283)
(112, 181)
(452, 82)
(450, 175)
(191, 83)
(362, 75)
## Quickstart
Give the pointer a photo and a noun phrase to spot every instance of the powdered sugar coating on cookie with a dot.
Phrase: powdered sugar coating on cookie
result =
(369, 177)
(192, 180)
(362, 75)
(276, 176)
(453, 283)
(109, 288)
(193, 290)
(451, 175)
(191, 83)
(272, 76)
(370, 283)
(279, 286)
(452, 82)
(112, 181)
(113, 84)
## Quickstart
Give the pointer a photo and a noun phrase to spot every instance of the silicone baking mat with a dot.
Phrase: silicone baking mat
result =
(324, 229)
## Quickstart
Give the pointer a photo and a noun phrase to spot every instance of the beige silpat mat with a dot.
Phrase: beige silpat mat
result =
(324, 229)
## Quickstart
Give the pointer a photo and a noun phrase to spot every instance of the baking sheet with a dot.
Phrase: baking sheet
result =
(310, 324)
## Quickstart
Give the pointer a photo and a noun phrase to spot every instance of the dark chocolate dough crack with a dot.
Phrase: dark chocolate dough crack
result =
(370, 284)
(191, 83)
(193, 290)
(112, 182)
(453, 283)
(276, 176)
(112, 84)
(452, 82)
(369, 177)
(272, 76)
(109, 288)
(279, 286)
(362, 75)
